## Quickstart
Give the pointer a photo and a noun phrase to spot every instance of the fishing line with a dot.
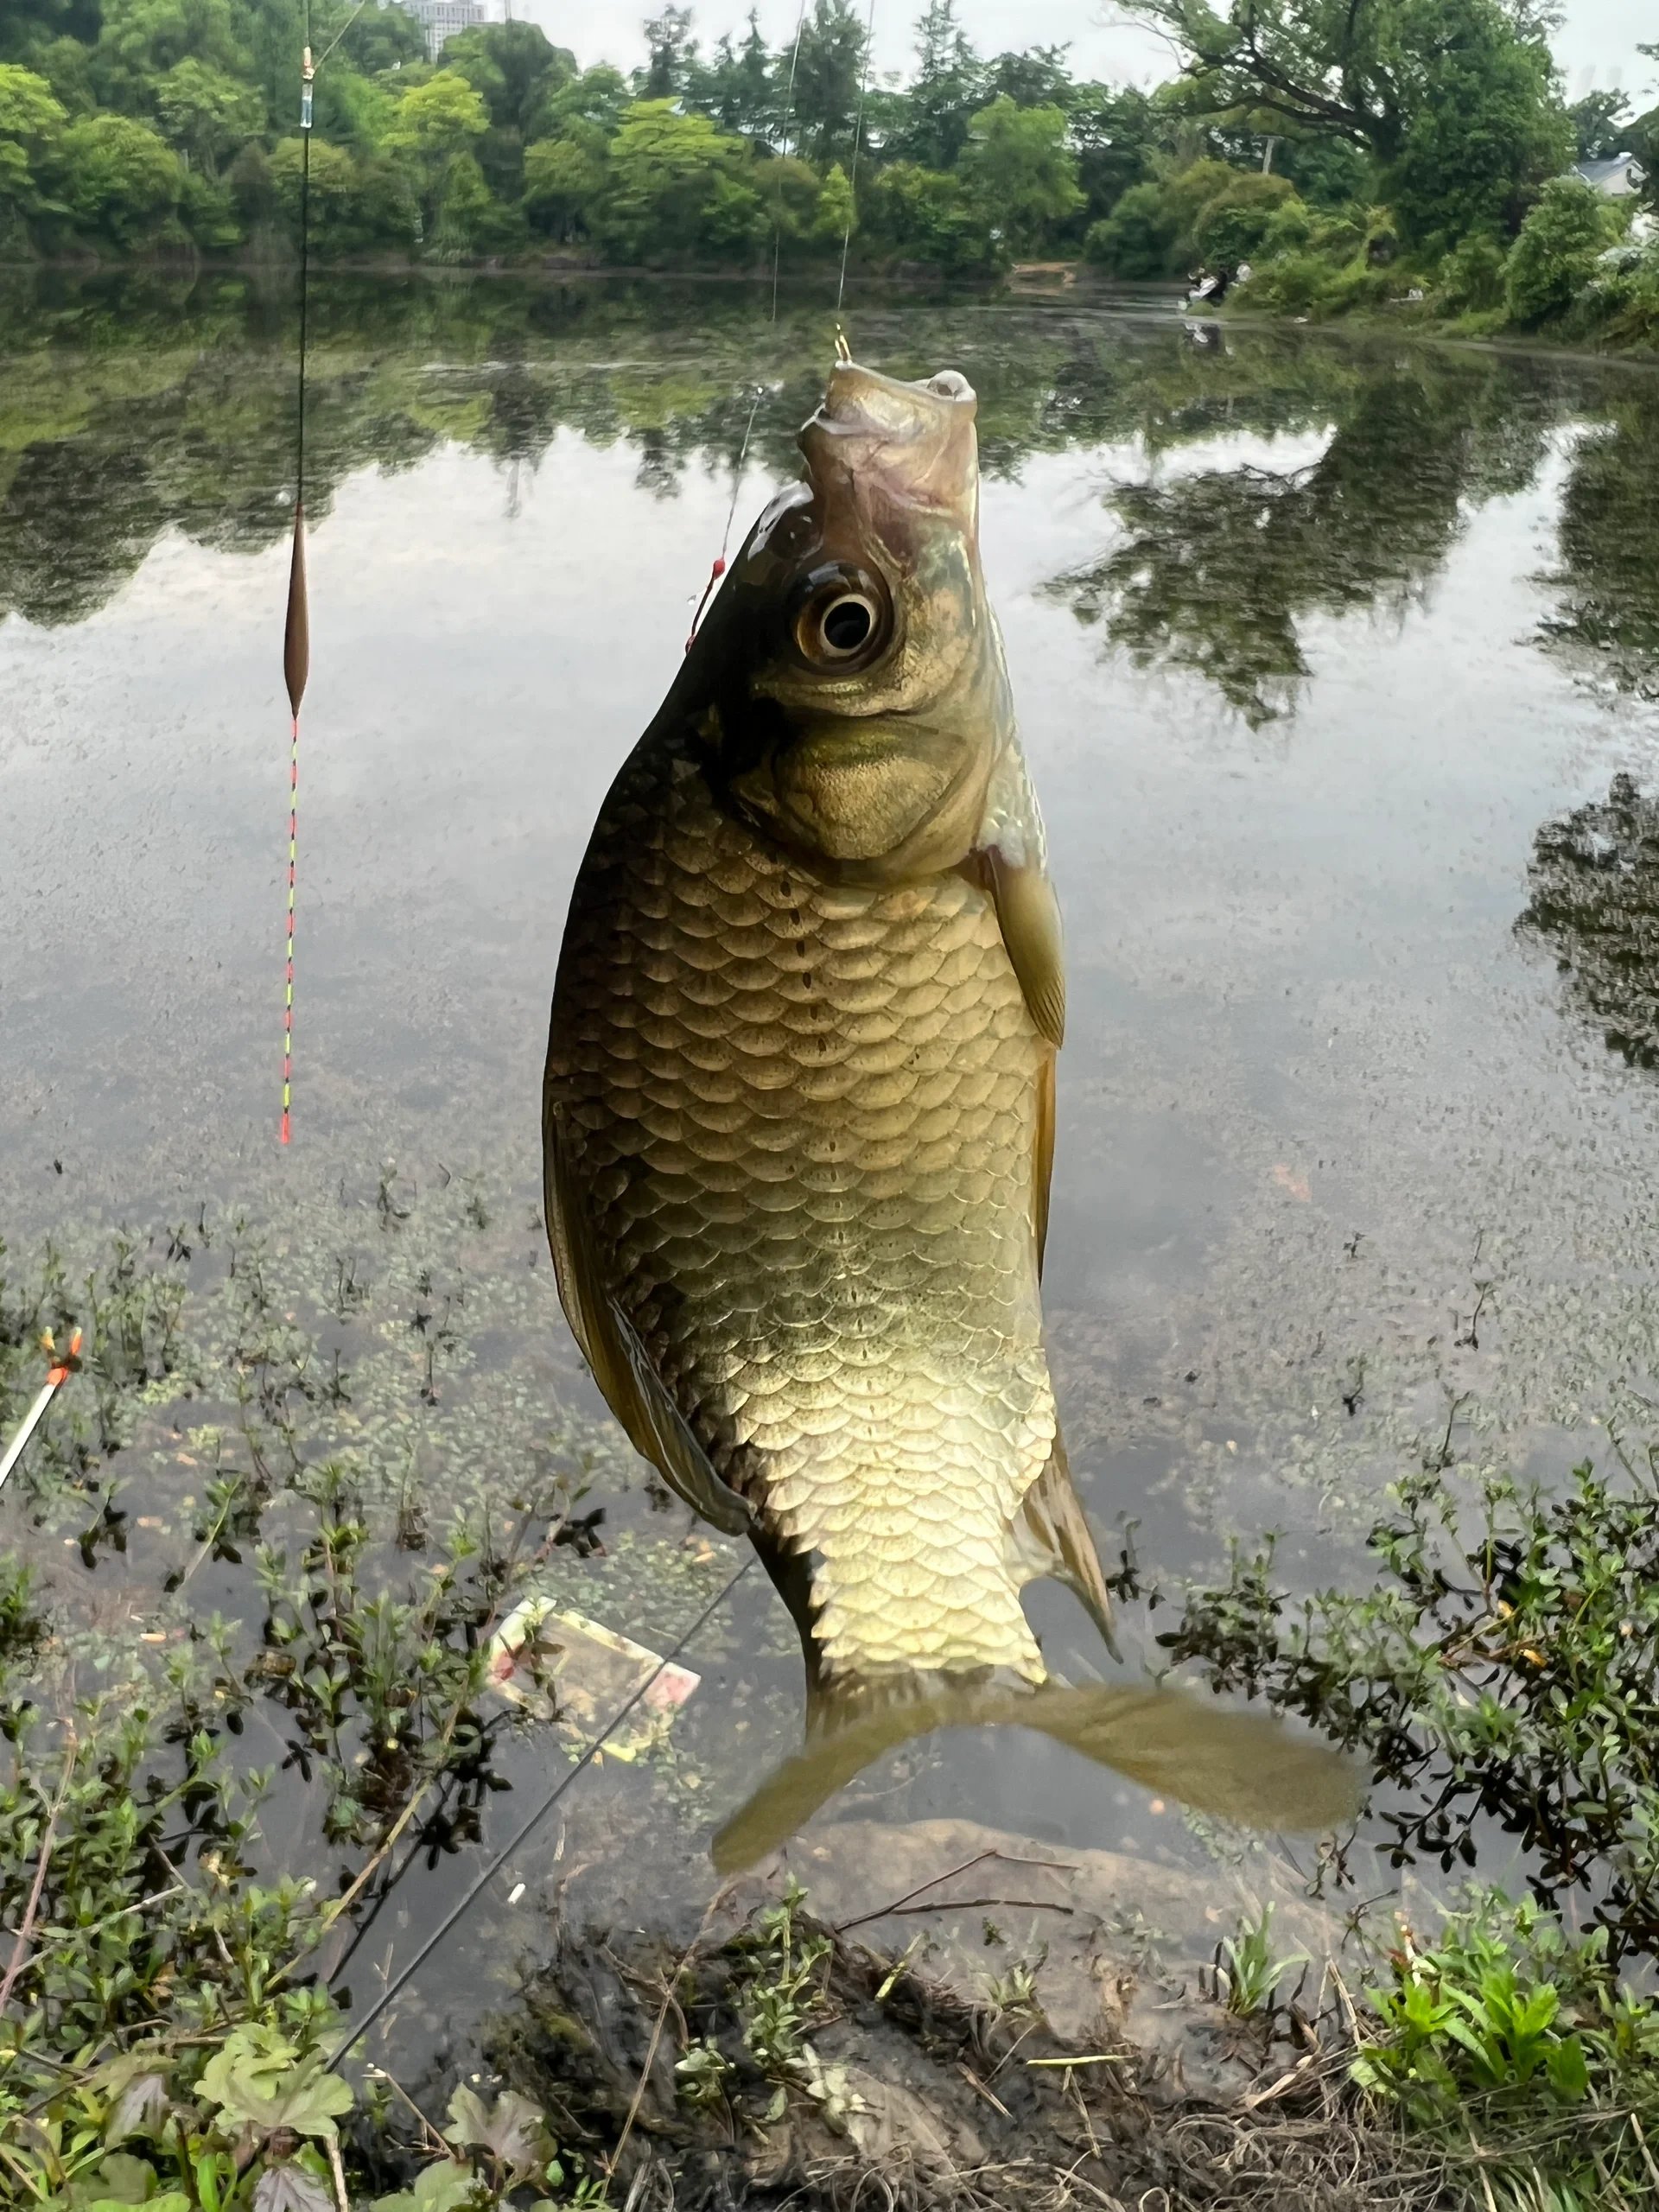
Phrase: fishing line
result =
(590, 1752)
(297, 628)
(858, 138)
(783, 155)
(719, 567)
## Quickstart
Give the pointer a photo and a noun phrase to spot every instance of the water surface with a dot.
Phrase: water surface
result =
(1337, 665)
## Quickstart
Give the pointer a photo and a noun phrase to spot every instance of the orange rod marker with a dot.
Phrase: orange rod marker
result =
(57, 1374)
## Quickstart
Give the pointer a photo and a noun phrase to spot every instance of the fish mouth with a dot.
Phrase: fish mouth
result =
(911, 443)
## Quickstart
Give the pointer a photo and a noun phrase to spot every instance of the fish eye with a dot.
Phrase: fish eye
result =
(842, 617)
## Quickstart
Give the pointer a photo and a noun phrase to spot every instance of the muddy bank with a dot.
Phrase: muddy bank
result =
(775, 2052)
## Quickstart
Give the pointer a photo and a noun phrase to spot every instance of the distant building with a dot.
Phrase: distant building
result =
(441, 19)
(1621, 178)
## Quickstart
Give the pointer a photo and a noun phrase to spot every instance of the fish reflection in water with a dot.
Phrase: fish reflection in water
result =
(799, 1122)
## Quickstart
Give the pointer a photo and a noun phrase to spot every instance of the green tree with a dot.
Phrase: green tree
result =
(836, 217)
(206, 113)
(471, 219)
(32, 121)
(947, 91)
(1137, 239)
(600, 97)
(1355, 69)
(563, 180)
(122, 180)
(514, 66)
(1485, 134)
(26, 26)
(432, 123)
(665, 168)
(1117, 134)
(739, 89)
(140, 40)
(1551, 261)
(1021, 172)
(1036, 78)
(382, 38)
(929, 216)
(673, 53)
(1600, 121)
(829, 70)
(1231, 227)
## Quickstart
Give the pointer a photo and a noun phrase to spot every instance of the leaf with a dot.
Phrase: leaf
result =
(514, 2130)
(119, 2179)
(287, 2187)
(170, 2199)
(442, 2187)
(249, 2059)
(256, 2082)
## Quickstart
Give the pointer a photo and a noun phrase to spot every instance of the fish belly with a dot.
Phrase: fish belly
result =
(803, 1120)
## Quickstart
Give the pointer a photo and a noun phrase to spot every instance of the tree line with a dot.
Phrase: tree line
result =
(1345, 138)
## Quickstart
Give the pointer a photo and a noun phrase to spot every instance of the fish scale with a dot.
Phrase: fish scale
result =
(815, 1210)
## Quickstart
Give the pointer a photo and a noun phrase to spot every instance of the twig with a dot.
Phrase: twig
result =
(638, 2097)
(1003, 1857)
(338, 2172)
(401, 2091)
(20, 1948)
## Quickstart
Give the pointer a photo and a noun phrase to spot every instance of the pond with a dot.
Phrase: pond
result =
(1337, 661)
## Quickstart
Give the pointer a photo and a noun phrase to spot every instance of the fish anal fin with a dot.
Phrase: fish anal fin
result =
(1029, 914)
(656, 1428)
(1055, 1517)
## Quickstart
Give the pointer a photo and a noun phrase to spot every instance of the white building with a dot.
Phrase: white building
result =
(441, 19)
(1621, 178)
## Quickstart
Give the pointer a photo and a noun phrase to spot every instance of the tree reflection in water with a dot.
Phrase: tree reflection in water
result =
(140, 402)
(1595, 904)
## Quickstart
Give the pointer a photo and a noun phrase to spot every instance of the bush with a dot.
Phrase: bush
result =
(1472, 275)
(122, 181)
(1233, 225)
(927, 215)
(1138, 237)
(1554, 256)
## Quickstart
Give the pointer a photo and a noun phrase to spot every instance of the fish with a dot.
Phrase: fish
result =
(799, 1120)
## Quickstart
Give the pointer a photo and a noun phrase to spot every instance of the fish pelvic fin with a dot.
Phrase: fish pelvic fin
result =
(1055, 1520)
(656, 1428)
(1246, 1767)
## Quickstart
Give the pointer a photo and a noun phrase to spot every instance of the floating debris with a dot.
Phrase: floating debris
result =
(566, 1668)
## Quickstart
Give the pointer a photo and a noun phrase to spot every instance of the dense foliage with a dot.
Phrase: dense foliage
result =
(1365, 151)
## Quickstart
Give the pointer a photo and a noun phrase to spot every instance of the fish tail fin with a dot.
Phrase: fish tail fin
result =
(1246, 1767)
(1055, 1518)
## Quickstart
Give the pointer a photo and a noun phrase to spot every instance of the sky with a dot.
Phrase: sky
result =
(1595, 45)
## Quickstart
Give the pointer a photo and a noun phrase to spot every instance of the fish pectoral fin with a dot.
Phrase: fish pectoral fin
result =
(1247, 1767)
(1055, 1517)
(656, 1428)
(1029, 914)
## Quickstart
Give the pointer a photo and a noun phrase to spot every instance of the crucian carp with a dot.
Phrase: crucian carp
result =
(799, 1126)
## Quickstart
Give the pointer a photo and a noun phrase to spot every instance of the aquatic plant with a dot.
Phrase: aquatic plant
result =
(1506, 1668)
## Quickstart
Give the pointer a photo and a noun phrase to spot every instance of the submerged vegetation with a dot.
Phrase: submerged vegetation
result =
(1387, 155)
(305, 1685)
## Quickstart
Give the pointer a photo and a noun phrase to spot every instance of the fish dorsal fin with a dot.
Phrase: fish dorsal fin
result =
(656, 1426)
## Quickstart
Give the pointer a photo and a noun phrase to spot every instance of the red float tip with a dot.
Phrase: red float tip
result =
(284, 1136)
(719, 564)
